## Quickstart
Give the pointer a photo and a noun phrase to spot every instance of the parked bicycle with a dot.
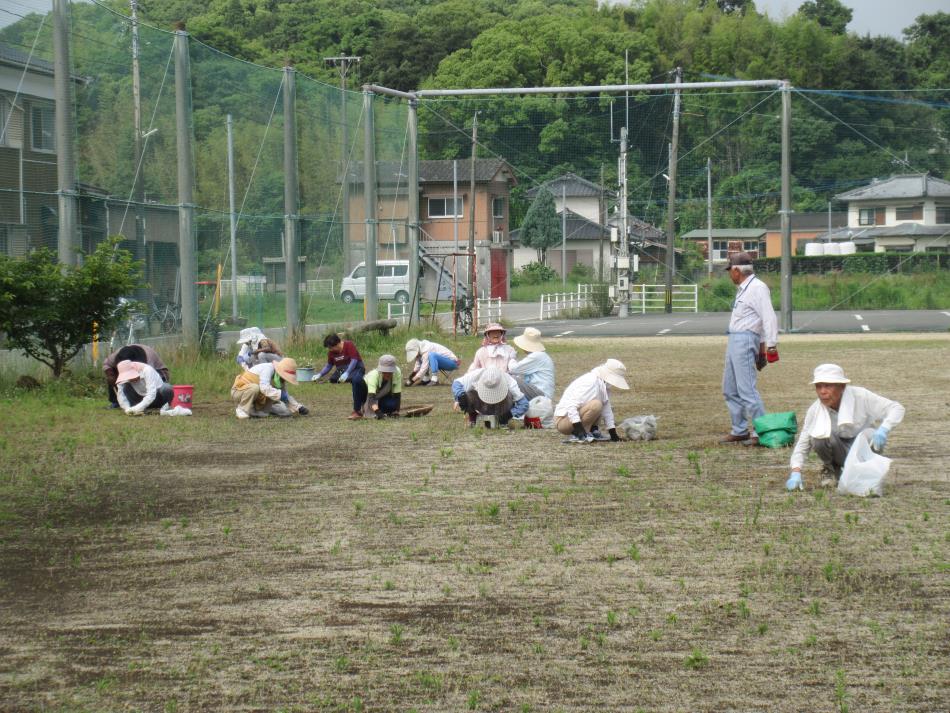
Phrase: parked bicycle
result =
(463, 316)
(168, 317)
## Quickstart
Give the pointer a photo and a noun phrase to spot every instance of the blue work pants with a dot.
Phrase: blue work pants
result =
(738, 382)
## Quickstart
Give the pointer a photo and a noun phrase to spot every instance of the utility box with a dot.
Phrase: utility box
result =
(614, 235)
(623, 284)
(622, 263)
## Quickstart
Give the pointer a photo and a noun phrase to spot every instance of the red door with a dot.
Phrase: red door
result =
(499, 274)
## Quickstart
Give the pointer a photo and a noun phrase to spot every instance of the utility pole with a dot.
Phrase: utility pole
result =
(371, 300)
(233, 223)
(786, 211)
(186, 188)
(138, 148)
(471, 212)
(65, 127)
(709, 240)
(671, 200)
(563, 236)
(602, 211)
(623, 259)
(291, 207)
(414, 210)
(343, 64)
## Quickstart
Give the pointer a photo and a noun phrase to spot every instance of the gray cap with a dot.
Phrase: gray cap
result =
(387, 364)
(737, 259)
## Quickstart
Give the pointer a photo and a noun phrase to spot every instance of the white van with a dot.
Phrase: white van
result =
(392, 282)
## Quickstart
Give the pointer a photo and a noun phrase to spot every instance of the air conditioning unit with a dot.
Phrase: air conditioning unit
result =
(497, 236)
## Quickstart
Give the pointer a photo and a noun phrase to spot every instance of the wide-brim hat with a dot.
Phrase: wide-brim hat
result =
(737, 259)
(614, 373)
(530, 341)
(287, 370)
(829, 374)
(493, 327)
(387, 364)
(128, 371)
(248, 334)
(412, 350)
(491, 386)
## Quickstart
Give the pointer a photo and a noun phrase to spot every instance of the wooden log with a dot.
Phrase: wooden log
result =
(379, 325)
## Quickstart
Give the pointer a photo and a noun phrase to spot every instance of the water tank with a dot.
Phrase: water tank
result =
(832, 248)
(814, 249)
(848, 248)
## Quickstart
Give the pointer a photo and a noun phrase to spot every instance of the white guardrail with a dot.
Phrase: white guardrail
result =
(557, 304)
(652, 298)
(489, 310)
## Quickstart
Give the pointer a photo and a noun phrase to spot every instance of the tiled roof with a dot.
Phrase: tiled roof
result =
(572, 185)
(726, 234)
(12, 56)
(810, 221)
(390, 173)
(913, 185)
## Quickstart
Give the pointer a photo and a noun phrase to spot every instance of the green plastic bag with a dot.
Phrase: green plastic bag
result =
(776, 430)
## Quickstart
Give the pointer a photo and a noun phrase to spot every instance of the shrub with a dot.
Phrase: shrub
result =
(533, 273)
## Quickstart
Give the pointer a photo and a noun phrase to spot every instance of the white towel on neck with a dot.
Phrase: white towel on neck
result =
(822, 426)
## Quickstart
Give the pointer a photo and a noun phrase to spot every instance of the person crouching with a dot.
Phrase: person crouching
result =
(587, 400)
(489, 392)
(257, 391)
(384, 388)
(138, 387)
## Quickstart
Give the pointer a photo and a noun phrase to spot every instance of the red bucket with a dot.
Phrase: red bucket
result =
(532, 422)
(183, 395)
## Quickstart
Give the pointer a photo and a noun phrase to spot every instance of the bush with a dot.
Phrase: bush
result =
(533, 273)
(580, 273)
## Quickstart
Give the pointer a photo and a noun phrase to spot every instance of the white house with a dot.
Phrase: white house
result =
(907, 213)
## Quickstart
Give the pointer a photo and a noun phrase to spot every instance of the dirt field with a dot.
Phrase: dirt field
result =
(323, 565)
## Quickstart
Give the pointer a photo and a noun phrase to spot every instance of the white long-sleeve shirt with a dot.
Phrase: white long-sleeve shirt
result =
(583, 389)
(265, 372)
(146, 386)
(421, 369)
(538, 370)
(752, 311)
(868, 409)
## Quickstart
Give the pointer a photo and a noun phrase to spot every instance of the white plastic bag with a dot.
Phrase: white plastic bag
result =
(177, 411)
(864, 470)
(639, 428)
(542, 407)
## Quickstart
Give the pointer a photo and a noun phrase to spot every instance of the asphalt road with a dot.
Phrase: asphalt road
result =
(706, 323)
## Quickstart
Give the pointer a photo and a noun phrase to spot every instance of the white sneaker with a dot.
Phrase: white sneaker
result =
(241, 413)
(434, 381)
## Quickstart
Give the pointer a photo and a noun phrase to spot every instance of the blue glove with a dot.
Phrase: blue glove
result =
(879, 439)
(794, 481)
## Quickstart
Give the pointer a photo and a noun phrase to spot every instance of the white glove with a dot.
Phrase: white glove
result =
(129, 412)
(343, 378)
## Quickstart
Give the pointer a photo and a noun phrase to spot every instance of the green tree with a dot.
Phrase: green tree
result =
(541, 228)
(48, 310)
(830, 14)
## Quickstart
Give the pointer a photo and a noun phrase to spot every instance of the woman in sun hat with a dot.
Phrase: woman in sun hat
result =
(131, 352)
(248, 341)
(383, 388)
(835, 419)
(494, 351)
(534, 373)
(138, 386)
(257, 391)
(489, 392)
(428, 359)
(263, 350)
(587, 400)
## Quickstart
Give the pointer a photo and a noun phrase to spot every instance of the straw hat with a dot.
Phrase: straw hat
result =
(491, 386)
(128, 371)
(530, 341)
(248, 334)
(614, 373)
(412, 350)
(287, 369)
(828, 374)
(387, 364)
(493, 327)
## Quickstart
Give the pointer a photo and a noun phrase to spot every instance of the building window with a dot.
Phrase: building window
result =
(751, 246)
(910, 212)
(498, 208)
(943, 214)
(5, 114)
(443, 207)
(720, 249)
(42, 136)
(871, 216)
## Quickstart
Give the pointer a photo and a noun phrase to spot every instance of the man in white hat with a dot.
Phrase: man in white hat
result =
(428, 359)
(489, 392)
(587, 400)
(753, 340)
(534, 373)
(835, 419)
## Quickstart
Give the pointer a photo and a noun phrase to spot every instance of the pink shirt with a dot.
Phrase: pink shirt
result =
(496, 355)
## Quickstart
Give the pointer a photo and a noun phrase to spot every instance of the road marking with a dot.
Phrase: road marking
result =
(946, 313)
(599, 324)
(662, 331)
(859, 317)
(679, 323)
(865, 328)
(564, 334)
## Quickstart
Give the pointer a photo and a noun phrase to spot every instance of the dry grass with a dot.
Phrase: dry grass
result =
(319, 564)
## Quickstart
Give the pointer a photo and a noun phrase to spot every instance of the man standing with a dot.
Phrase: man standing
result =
(753, 339)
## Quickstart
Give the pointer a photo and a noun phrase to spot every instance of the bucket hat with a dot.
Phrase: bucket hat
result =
(128, 371)
(614, 373)
(412, 350)
(530, 341)
(387, 364)
(491, 387)
(248, 334)
(287, 369)
(829, 374)
(493, 327)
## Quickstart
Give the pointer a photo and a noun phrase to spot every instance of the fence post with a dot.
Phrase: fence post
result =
(369, 201)
(292, 265)
(186, 189)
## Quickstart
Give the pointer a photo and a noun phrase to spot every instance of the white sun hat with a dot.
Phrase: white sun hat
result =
(248, 334)
(530, 341)
(829, 374)
(614, 373)
(412, 350)
(492, 386)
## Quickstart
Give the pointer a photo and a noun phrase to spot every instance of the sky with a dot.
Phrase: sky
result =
(875, 17)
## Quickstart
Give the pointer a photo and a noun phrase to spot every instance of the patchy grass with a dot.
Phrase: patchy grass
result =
(319, 564)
